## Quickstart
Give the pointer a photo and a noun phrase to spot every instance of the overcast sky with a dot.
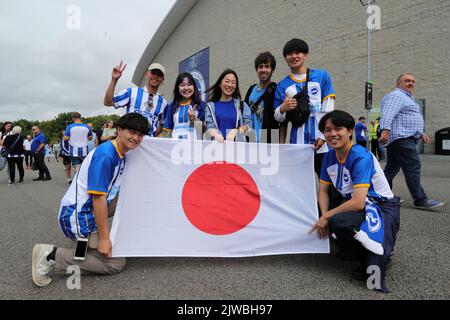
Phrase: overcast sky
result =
(49, 65)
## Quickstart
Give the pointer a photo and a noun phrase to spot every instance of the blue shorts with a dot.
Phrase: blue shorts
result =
(77, 161)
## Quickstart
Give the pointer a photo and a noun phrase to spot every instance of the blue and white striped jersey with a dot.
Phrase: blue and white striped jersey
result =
(178, 120)
(65, 149)
(360, 169)
(138, 100)
(78, 134)
(99, 174)
(321, 101)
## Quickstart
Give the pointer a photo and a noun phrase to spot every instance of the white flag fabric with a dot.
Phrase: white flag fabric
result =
(206, 199)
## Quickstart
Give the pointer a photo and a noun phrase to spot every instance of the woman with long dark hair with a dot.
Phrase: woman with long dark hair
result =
(226, 115)
(109, 133)
(4, 131)
(186, 109)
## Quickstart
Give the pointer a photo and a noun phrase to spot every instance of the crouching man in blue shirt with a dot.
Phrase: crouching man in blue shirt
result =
(365, 221)
(86, 206)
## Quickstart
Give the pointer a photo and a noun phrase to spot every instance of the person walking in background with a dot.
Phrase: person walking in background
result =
(402, 126)
(27, 150)
(48, 152)
(93, 142)
(14, 145)
(38, 151)
(78, 134)
(225, 115)
(65, 155)
(56, 149)
(373, 137)
(361, 132)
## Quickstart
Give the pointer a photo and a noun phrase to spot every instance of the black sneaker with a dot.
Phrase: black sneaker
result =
(38, 179)
(47, 179)
(428, 204)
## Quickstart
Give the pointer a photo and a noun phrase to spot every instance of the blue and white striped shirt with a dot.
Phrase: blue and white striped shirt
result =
(100, 174)
(78, 134)
(137, 100)
(65, 149)
(400, 114)
(320, 92)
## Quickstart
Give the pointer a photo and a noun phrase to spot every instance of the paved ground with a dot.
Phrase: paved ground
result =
(421, 268)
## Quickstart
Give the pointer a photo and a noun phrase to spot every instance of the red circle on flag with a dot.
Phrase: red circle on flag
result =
(220, 198)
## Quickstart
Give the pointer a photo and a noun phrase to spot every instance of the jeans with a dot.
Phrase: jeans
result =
(402, 153)
(344, 224)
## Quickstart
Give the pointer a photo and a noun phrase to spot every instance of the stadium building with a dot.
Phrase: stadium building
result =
(207, 36)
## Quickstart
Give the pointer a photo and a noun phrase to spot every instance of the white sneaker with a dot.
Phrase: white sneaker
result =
(368, 243)
(40, 266)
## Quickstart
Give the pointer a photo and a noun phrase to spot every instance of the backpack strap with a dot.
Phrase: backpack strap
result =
(249, 92)
(241, 107)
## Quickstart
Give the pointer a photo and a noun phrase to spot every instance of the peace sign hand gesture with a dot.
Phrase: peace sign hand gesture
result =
(117, 71)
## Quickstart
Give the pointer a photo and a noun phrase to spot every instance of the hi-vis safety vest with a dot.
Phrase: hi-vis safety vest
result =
(373, 131)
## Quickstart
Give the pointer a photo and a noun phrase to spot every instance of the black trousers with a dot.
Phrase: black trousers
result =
(318, 159)
(13, 162)
(40, 165)
(333, 194)
(28, 159)
(375, 146)
(343, 225)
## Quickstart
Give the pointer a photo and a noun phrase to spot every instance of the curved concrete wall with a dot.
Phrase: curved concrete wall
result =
(414, 37)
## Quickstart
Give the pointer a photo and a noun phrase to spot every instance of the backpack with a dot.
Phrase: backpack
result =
(301, 113)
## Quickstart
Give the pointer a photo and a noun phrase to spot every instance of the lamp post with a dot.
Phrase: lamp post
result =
(368, 3)
(369, 85)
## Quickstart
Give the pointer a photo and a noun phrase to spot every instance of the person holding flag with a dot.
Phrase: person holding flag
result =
(365, 221)
(185, 110)
(88, 203)
(226, 116)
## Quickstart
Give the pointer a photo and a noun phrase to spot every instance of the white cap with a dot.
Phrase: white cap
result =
(157, 66)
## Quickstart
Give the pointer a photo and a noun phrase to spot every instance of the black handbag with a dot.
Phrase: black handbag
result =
(301, 113)
(4, 152)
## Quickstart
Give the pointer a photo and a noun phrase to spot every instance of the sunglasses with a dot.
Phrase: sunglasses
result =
(150, 102)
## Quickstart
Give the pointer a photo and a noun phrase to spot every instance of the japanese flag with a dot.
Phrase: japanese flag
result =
(206, 199)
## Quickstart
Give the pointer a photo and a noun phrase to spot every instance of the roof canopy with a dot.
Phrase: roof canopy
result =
(179, 10)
